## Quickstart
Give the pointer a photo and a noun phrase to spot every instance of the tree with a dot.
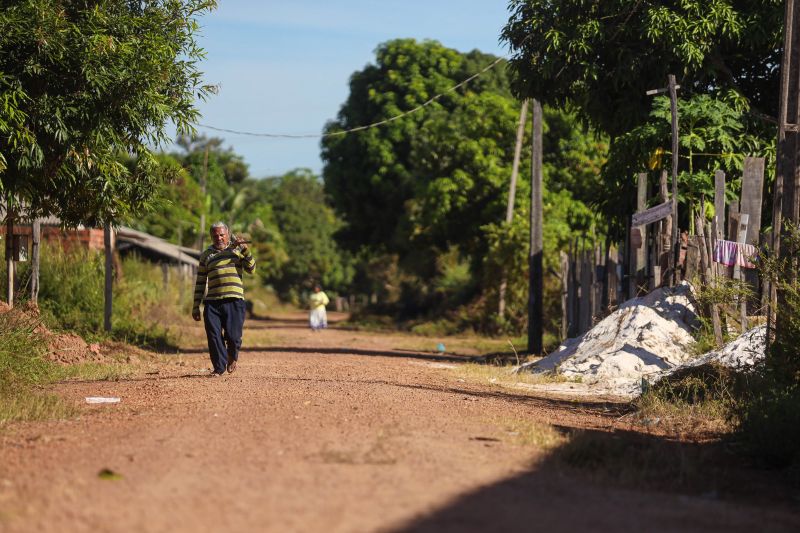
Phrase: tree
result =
(604, 56)
(176, 207)
(715, 133)
(82, 82)
(307, 224)
(422, 198)
(370, 176)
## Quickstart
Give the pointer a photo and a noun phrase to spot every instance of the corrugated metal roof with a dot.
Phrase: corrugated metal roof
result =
(47, 221)
(129, 238)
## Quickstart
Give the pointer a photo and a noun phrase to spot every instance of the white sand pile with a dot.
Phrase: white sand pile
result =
(644, 337)
(740, 354)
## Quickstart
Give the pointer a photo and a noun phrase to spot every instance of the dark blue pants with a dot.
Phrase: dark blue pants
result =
(224, 320)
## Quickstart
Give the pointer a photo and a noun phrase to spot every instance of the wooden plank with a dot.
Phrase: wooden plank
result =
(733, 221)
(752, 195)
(638, 254)
(611, 277)
(692, 261)
(705, 266)
(572, 292)
(719, 203)
(741, 238)
(654, 214)
(585, 320)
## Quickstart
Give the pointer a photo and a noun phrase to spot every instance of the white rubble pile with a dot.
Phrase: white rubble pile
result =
(647, 338)
(744, 352)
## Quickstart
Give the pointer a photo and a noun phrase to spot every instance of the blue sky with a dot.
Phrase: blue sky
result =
(283, 66)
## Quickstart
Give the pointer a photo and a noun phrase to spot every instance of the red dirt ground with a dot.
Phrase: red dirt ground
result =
(337, 432)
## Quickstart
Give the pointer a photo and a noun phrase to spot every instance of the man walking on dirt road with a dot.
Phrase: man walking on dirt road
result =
(220, 268)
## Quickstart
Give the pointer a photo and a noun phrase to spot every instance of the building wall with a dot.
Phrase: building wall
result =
(87, 238)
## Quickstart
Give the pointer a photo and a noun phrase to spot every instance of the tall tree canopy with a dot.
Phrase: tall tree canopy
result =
(604, 56)
(423, 198)
(372, 175)
(83, 81)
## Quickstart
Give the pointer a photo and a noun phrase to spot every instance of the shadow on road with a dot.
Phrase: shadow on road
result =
(624, 481)
(354, 351)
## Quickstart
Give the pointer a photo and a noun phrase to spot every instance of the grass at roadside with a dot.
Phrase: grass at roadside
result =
(503, 375)
(25, 371)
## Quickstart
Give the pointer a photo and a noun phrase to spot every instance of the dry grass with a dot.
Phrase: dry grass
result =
(531, 433)
(99, 371)
(504, 376)
(33, 405)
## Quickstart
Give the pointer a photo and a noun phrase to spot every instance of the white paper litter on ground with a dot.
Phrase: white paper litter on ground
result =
(102, 399)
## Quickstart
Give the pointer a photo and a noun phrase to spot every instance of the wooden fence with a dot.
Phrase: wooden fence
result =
(597, 278)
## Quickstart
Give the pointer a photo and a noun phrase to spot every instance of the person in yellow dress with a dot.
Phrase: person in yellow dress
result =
(318, 317)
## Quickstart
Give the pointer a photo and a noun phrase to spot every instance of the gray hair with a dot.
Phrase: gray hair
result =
(219, 224)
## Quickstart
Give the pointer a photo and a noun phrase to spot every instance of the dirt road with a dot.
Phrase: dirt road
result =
(337, 431)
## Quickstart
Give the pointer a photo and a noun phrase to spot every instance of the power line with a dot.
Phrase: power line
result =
(359, 128)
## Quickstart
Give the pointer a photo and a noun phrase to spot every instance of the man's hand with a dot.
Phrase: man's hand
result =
(196, 313)
(241, 242)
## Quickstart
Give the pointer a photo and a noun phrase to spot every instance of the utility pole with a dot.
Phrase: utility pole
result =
(536, 271)
(203, 211)
(786, 199)
(672, 89)
(512, 193)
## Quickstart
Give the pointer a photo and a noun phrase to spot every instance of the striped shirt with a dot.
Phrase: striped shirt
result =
(221, 270)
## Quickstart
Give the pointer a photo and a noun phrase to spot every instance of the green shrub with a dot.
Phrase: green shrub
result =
(769, 416)
(22, 351)
(71, 297)
(769, 425)
(23, 367)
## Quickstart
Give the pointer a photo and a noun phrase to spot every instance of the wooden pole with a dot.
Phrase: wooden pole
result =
(512, 193)
(786, 200)
(564, 294)
(639, 254)
(741, 238)
(36, 232)
(719, 203)
(109, 276)
(705, 267)
(536, 287)
(9, 251)
(673, 101)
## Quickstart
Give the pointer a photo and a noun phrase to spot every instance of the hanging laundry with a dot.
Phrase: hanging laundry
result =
(725, 252)
(746, 254)
(731, 253)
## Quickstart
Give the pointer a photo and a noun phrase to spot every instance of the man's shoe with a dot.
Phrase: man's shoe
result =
(232, 367)
(214, 374)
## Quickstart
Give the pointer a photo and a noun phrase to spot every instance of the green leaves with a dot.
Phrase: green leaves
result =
(83, 82)
(604, 56)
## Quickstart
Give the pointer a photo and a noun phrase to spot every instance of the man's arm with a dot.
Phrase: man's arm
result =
(248, 261)
(199, 287)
